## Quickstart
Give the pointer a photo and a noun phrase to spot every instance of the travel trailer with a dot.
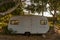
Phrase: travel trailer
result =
(28, 24)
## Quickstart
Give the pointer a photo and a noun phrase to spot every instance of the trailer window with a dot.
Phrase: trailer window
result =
(14, 22)
(43, 22)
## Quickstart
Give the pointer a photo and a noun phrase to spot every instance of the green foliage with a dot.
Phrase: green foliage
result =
(30, 8)
(18, 11)
(7, 6)
(39, 7)
(54, 4)
(1, 1)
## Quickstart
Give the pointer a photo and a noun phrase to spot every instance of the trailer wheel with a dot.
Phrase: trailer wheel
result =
(27, 33)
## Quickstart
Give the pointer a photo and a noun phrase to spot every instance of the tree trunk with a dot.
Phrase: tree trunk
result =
(54, 17)
(42, 8)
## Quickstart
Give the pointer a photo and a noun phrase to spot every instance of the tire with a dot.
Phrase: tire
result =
(27, 33)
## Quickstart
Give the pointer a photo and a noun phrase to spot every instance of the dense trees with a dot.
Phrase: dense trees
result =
(38, 6)
(7, 6)
(54, 6)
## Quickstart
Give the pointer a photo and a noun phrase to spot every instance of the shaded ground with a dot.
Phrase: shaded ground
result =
(49, 36)
(31, 37)
(20, 37)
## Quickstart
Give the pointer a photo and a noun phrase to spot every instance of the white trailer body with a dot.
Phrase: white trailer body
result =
(32, 24)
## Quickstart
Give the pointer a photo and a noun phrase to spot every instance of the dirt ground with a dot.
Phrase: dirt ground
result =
(31, 37)
(49, 36)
